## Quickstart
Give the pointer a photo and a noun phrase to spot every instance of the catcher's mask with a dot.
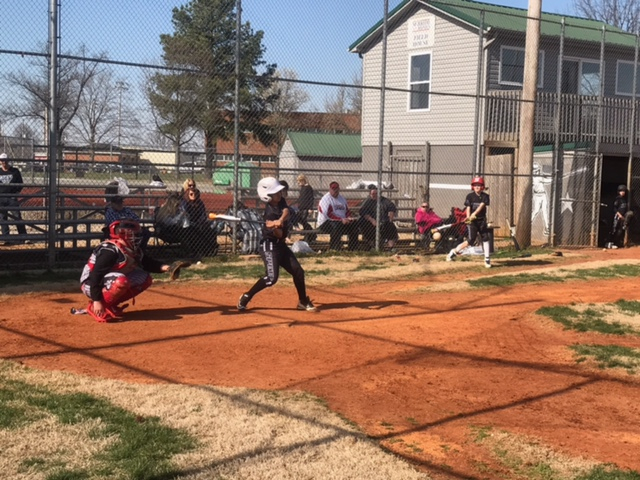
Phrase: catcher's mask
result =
(127, 230)
(478, 181)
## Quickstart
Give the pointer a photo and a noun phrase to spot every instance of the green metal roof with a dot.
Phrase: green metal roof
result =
(515, 20)
(326, 145)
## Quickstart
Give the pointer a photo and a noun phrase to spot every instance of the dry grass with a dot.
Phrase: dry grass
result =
(243, 434)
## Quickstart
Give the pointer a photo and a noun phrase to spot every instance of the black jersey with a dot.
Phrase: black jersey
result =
(274, 212)
(473, 200)
(621, 205)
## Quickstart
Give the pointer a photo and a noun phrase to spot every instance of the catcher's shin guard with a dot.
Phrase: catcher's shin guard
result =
(121, 290)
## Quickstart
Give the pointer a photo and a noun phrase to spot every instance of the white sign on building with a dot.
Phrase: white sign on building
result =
(421, 32)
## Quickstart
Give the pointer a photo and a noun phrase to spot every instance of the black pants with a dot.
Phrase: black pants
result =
(276, 255)
(336, 229)
(10, 206)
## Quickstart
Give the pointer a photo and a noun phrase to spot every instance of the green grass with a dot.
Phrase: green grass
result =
(614, 271)
(609, 472)
(590, 320)
(142, 446)
(610, 356)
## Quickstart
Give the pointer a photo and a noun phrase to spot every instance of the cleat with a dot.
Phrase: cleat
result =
(487, 263)
(116, 311)
(306, 305)
(106, 317)
(243, 301)
(451, 256)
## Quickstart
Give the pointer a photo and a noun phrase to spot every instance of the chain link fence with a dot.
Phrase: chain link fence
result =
(136, 102)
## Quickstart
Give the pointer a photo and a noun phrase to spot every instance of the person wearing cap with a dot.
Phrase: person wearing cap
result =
(10, 187)
(622, 217)
(368, 222)
(117, 211)
(274, 249)
(335, 218)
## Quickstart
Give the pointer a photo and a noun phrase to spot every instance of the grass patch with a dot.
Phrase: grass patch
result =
(610, 356)
(609, 472)
(590, 320)
(614, 271)
(139, 447)
(14, 279)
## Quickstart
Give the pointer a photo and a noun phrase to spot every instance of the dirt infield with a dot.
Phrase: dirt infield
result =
(425, 360)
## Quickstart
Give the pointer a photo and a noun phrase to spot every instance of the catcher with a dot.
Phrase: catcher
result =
(118, 271)
(273, 248)
(476, 205)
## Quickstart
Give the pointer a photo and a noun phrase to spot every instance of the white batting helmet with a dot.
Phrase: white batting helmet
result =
(267, 187)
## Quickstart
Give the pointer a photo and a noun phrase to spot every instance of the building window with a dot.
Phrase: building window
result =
(624, 79)
(512, 66)
(420, 81)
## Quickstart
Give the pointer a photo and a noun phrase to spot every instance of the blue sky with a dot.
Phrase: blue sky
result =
(310, 37)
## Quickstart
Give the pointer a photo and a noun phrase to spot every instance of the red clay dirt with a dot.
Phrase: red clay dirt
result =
(399, 361)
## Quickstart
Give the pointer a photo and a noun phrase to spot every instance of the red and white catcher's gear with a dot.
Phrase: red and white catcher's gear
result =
(126, 231)
(477, 181)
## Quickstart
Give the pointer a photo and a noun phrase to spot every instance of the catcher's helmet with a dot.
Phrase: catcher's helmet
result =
(477, 181)
(267, 187)
(128, 231)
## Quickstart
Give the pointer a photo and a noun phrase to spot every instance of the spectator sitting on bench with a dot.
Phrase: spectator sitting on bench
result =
(117, 211)
(335, 218)
(426, 219)
(368, 223)
(198, 233)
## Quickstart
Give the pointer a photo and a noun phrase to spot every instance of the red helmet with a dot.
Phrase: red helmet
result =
(477, 181)
(128, 231)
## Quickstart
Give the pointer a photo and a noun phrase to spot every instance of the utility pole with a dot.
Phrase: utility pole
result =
(524, 154)
(121, 86)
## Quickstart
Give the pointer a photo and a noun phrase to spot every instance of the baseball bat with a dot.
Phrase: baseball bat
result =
(231, 218)
(442, 227)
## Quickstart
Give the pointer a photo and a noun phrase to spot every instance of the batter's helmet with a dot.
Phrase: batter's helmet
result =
(477, 181)
(622, 188)
(267, 187)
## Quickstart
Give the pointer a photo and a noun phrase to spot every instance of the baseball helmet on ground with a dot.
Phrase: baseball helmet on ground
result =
(477, 181)
(267, 187)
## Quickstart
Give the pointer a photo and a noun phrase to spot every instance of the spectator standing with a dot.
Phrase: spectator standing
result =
(10, 187)
(622, 216)
(335, 218)
(368, 222)
(305, 204)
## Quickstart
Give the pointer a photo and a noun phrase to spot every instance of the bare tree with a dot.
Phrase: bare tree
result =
(97, 118)
(33, 100)
(345, 99)
(624, 14)
(289, 97)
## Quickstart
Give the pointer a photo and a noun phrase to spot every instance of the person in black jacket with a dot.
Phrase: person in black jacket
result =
(306, 199)
(10, 187)
(622, 216)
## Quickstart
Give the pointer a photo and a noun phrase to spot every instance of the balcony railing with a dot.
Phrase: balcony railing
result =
(577, 120)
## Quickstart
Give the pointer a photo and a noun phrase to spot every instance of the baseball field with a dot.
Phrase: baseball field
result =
(412, 367)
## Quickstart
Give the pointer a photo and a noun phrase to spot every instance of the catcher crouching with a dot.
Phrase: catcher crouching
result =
(118, 271)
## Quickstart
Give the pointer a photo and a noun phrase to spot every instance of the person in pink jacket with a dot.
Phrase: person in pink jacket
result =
(426, 218)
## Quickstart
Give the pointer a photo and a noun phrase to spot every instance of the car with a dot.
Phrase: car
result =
(191, 167)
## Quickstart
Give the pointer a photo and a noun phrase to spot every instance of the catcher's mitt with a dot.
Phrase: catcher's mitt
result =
(175, 267)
